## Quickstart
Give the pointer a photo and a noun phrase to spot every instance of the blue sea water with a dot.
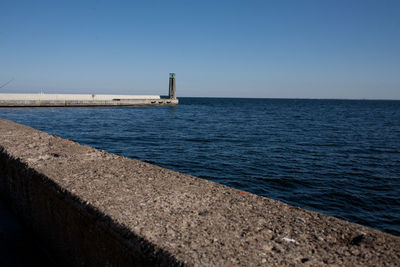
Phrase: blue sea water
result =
(338, 157)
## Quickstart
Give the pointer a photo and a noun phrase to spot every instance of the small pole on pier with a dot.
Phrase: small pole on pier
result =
(172, 86)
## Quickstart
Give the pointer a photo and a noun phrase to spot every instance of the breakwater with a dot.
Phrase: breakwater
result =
(90, 100)
(82, 100)
(89, 207)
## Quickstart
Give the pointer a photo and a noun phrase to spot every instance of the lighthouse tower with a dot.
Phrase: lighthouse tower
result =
(172, 86)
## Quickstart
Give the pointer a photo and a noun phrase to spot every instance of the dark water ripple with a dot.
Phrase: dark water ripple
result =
(338, 157)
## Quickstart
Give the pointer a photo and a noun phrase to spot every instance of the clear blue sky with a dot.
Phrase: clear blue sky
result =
(295, 49)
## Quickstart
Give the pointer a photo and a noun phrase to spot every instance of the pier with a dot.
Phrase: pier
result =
(88, 207)
(84, 100)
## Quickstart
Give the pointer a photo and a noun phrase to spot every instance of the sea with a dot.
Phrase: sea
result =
(337, 157)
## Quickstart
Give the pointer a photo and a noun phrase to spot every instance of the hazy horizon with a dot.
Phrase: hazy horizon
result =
(252, 49)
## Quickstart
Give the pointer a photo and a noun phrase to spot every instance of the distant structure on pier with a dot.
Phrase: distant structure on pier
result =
(172, 86)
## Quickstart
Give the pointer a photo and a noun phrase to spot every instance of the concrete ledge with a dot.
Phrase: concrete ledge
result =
(89, 207)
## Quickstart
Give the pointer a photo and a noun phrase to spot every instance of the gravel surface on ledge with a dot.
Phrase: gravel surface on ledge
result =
(198, 222)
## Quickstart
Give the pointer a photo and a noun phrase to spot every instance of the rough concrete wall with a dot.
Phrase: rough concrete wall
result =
(74, 232)
(93, 208)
